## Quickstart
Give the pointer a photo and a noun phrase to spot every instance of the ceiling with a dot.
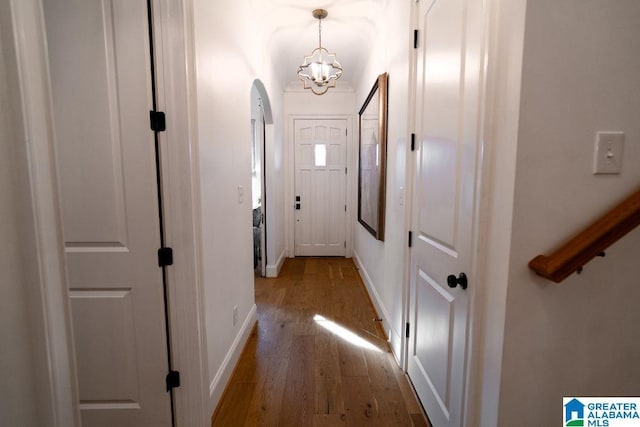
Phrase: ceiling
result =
(291, 33)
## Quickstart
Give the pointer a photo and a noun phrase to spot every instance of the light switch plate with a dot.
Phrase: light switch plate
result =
(608, 153)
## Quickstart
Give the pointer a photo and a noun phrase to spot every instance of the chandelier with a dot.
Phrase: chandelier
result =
(320, 70)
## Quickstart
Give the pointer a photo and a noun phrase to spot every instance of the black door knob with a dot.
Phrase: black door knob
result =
(454, 281)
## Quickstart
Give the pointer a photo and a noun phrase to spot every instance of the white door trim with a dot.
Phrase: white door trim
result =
(504, 40)
(290, 166)
(52, 335)
(58, 397)
(175, 65)
(409, 179)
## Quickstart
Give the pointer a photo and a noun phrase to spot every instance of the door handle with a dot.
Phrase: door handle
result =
(454, 281)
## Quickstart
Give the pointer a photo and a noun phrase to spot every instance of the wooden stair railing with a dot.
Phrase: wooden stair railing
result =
(590, 242)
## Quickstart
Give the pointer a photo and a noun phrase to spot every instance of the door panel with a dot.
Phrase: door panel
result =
(434, 323)
(101, 84)
(448, 117)
(106, 366)
(320, 182)
(97, 215)
(440, 157)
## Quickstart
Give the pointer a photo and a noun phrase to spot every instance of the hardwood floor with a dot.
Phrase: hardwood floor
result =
(300, 366)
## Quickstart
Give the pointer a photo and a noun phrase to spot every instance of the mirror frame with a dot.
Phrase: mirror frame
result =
(365, 188)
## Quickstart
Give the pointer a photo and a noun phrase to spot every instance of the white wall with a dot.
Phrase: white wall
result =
(300, 101)
(579, 338)
(382, 264)
(230, 54)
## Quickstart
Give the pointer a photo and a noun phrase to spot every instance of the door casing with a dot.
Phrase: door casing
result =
(351, 181)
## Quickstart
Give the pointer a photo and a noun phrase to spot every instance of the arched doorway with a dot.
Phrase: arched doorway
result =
(261, 117)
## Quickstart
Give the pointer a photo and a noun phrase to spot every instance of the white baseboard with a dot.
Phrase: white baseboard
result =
(274, 270)
(395, 339)
(231, 360)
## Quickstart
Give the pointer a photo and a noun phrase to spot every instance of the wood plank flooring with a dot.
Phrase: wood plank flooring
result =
(294, 371)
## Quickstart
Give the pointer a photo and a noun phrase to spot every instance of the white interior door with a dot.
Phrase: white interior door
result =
(320, 187)
(448, 116)
(101, 82)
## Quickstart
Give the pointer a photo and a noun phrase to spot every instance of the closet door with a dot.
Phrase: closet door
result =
(102, 93)
(448, 119)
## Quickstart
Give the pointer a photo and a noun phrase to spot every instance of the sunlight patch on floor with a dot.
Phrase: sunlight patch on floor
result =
(344, 333)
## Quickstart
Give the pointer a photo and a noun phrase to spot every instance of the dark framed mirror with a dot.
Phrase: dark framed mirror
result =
(372, 167)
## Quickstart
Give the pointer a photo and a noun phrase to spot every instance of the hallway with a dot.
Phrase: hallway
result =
(300, 369)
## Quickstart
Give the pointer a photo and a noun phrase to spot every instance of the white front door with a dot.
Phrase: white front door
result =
(448, 119)
(101, 83)
(320, 187)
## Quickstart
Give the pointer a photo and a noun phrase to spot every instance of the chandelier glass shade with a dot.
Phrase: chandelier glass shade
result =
(320, 70)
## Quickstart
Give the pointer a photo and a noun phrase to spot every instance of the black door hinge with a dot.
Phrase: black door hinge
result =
(410, 239)
(157, 121)
(165, 257)
(413, 142)
(173, 380)
(406, 330)
(415, 39)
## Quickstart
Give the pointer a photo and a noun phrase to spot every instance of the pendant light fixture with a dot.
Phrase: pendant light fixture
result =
(320, 70)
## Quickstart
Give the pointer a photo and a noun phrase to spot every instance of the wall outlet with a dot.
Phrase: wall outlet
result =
(235, 315)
